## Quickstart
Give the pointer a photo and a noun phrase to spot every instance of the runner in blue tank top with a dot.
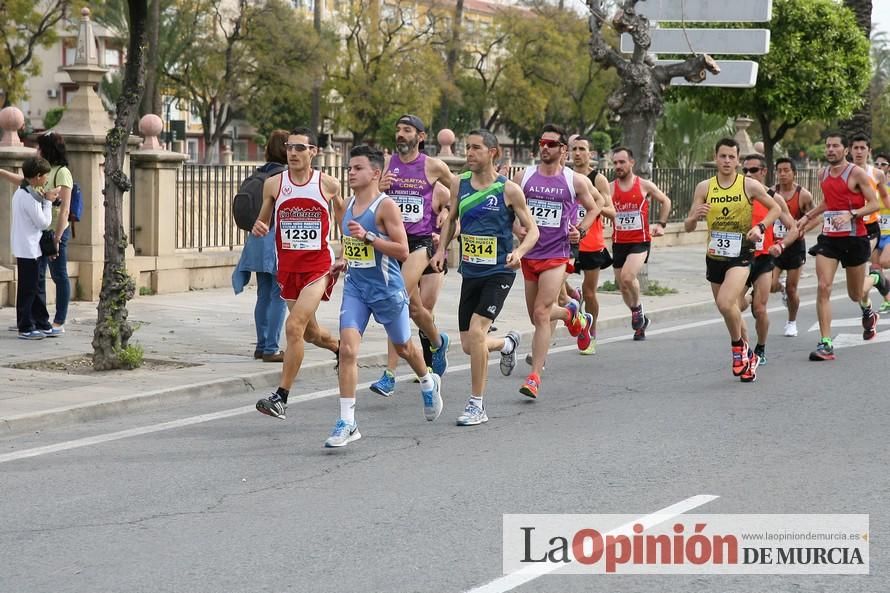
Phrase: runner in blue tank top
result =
(486, 204)
(410, 177)
(374, 241)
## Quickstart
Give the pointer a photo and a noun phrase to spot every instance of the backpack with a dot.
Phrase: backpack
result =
(76, 209)
(248, 202)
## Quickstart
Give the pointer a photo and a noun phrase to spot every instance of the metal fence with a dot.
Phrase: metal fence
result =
(204, 199)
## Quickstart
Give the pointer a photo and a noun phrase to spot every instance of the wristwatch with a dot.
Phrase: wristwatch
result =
(762, 227)
(370, 237)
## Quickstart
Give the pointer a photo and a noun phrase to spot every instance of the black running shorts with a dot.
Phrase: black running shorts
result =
(482, 296)
(620, 251)
(849, 251)
(794, 256)
(593, 260)
(716, 268)
(762, 264)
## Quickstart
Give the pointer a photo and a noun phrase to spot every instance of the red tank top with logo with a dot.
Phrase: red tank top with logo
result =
(631, 214)
(302, 224)
(840, 199)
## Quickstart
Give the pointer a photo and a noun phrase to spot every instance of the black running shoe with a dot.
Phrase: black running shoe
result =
(272, 406)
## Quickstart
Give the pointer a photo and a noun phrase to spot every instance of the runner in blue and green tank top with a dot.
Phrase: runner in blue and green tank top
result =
(486, 205)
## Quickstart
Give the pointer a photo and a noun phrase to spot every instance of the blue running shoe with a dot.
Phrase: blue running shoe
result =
(342, 434)
(385, 385)
(440, 355)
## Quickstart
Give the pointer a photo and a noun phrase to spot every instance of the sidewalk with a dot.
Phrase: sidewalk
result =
(205, 340)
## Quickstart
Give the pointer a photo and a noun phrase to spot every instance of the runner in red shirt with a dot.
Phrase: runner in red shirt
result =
(301, 198)
(631, 235)
(848, 197)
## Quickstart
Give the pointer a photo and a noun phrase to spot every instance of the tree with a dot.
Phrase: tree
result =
(639, 99)
(283, 60)
(880, 91)
(112, 334)
(451, 62)
(817, 69)
(686, 135)
(219, 55)
(860, 121)
(26, 26)
(387, 66)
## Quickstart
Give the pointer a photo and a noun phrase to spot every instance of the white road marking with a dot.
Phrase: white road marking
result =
(525, 575)
(854, 340)
(132, 432)
(849, 322)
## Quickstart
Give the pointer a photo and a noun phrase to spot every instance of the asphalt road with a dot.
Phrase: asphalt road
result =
(214, 497)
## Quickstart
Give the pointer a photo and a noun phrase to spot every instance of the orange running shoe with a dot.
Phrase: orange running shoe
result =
(574, 323)
(740, 359)
(530, 388)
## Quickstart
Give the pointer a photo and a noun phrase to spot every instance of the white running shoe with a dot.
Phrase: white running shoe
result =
(791, 329)
(432, 399)
(473, 415)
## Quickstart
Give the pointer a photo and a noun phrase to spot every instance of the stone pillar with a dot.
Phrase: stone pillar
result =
(154, 180)
(155, 204)
(742, 124)
(85, 113)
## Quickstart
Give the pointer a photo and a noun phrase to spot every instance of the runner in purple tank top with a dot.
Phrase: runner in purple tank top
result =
(552, 191)
(409, 179)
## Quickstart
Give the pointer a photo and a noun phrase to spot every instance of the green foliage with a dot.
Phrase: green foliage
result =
(653, 289)
(387, 65)
(131, 357)
(146, 291)
(25, 25)
(600, 141)
(817, 68)
(880, 92)
(286, 55)
(686, 135)
(53, 117)
(657, 289)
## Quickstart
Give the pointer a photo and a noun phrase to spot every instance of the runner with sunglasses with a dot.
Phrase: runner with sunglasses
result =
(301, 198)
(552, 191)
(760, 277)
(792, 256)
(409, 179)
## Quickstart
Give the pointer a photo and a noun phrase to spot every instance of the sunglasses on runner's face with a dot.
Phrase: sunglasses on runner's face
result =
(299, 147)
(754, 170)
(881, 164)
(549, 143)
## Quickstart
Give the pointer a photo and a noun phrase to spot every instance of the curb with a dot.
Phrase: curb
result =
(253, 382)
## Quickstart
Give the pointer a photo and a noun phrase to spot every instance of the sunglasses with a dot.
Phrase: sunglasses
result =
(881, 164)
(549, 143)
(751, 170)
(298, 146)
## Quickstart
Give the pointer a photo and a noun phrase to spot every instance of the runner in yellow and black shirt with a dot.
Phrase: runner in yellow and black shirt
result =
(725, 202)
